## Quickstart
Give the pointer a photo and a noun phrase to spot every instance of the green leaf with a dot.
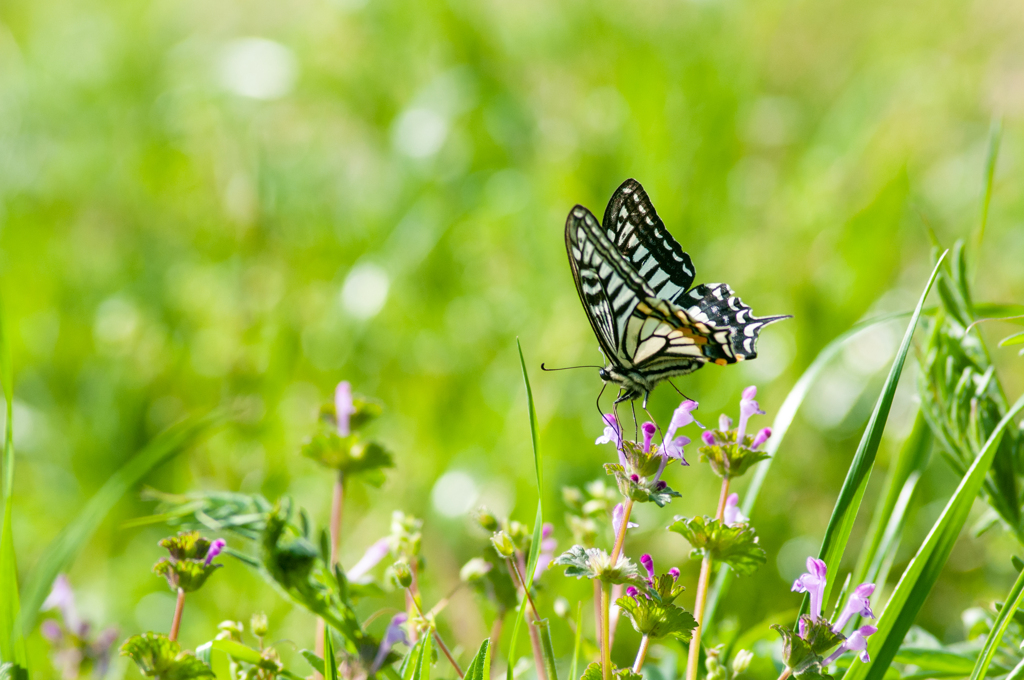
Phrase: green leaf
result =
(12, 642)
(12, 671)
(1015, 339)
(62, 550)
(657, 619)
(936, 660)
(796, 653)
(351, 455)
(546, 648)
(538, 522)
(924, 569)
(840, 525)
(330, 663)
(480, 666)
(411, 659)
(421, 669)
(734, 545)
(888, 519)
(187, 575)
(780, 427)
(991, 157)
(315, 662)
(645, 490)
(159, 657)
(999, 626)
(594, 563)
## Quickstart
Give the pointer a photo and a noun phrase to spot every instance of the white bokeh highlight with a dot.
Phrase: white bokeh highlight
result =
(257, 68)
(365, 291)
(454, 494)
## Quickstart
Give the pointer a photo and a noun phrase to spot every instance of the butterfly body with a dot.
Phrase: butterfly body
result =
(634, 281)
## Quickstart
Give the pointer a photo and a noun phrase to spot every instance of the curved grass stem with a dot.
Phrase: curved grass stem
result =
(702, 594)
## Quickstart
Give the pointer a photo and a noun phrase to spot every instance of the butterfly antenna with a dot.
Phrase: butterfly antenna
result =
(565, 368)
(678, 390)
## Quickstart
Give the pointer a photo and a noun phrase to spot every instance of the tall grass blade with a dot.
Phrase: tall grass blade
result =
(574, 669)
(331, 664)
(783, 420)
(900, 485)
(995, 636)
(538, 522)
(12, 643)
(480, 666)
(923, 571)
(837, 533)
(65, 546)
(991, 158)
(547, 648)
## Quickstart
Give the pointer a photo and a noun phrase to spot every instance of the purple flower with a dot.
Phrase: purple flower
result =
(648, 429)
(673, 448)
(215, 549)
(813, 582)
(392, 636)
(648, 563)
(51, 630)
(708, 437)
(748, 407)
(724, 423)
(857, 642)
(617, 513)
(761, 437)
(632, 591)
(61, 597)
(635, 477)
(343, 407)
(674, 573)
(732, 515)
(859, 603)
(547, 549)
(612, 434)
(373, 555)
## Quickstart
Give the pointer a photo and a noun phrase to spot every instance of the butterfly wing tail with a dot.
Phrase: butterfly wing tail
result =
(732, 323)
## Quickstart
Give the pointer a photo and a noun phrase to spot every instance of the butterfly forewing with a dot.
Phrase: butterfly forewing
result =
(641, 237)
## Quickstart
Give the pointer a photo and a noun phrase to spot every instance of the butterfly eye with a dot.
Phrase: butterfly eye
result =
(604, 374)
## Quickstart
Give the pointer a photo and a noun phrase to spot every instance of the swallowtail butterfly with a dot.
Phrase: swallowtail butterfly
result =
(634, 282)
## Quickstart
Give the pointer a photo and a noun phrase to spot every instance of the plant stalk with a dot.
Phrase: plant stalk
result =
(337, 504)
(597, 614)
(621, 537)
(444, 648)
(535, 642)
(786, 673)
(176, 621)
(606, 648)
(693, 661)
(641, 655)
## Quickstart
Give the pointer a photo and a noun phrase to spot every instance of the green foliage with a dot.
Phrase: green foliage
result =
(642, 489)
(593, 672)
(186, 569)
(734, 545)
(480, 667)
(1011, 605)
(12, 644)
(594, 563)
(161, 658)
(657, 619)
(729, 459)
(349, 455)
(847, 505)
(805, 656)
(12, 671)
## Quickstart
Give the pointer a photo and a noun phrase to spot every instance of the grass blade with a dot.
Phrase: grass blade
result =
(63, 549)
(999, 626)
(12, 643)
(922, 572)
(837, 533)
(538, 521)
(547, 648)
(480, 666)
(994, 137)
(331, 664)
(780, 426)
(900, 485)
(574, 669)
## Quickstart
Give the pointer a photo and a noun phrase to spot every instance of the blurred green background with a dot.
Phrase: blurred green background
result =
(240, 204)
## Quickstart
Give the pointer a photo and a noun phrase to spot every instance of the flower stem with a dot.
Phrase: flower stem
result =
(702, 594)
(606, 648)
(786, 673)
(535, 643)
(621, 537)
(337, 504)
(176, 621)
(522, 584)
(597, 613)
(444, 648)
(641, 655)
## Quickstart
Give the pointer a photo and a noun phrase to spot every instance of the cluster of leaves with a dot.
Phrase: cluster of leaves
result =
(187, 567)
(735, 545)
(963, 400)
(159, 657)
(804, 654)
(653, 611)
(594, 563)
(246, 662)
(351, 454)
(637, 478)
(729, 458)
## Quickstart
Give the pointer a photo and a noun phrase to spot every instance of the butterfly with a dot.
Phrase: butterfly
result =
(634, 281)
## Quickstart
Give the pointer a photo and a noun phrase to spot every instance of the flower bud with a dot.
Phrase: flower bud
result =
(741, 661)
(403, 574)
(258, 624)
(572, 497)
(474, 570)
(724, 423)
(503, 544)
(674, 573)
(708, 438)
(486, 519)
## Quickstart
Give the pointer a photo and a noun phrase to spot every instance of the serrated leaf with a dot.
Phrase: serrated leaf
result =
(797, 653)
(188, 575)
(159, 657)
(734, 545)
(819, 635)
(643, 490)
(594, 563)
(657, 619)
(351, 455)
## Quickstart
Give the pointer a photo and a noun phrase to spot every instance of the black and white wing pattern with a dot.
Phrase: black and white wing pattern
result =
(634, 282)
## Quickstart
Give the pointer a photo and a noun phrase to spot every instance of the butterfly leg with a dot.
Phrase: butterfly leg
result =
(636, 428)
(599, 401)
